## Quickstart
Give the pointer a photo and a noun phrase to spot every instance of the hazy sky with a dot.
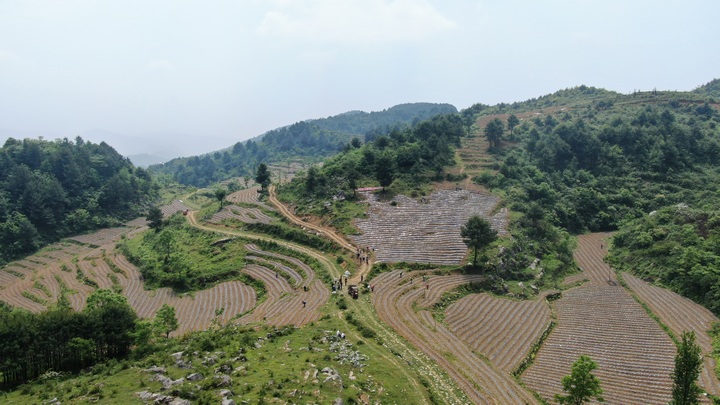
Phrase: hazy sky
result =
(234, 69)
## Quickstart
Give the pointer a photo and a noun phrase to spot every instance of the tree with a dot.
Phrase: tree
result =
(385, 169)
(154, 218)
(111, 321)
(477, 233)
(581, 385)
(165, 320)
(687, 369)
(494, 132)
(512, 122)
(262, 177)
(220, 194)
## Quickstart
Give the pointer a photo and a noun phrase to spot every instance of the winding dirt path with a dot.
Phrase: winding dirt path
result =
(363, 267)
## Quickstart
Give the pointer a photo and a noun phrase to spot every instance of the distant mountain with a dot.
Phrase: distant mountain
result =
(142, 149)
(310, 141)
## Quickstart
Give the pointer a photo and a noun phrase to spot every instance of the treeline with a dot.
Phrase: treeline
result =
(360, 122)
(592, 168)
(313, 140)
(677, 247)
(61, 339)
(49, 190)
(412, 154)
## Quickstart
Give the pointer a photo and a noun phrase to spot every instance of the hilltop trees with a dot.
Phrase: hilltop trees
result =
(49, 190)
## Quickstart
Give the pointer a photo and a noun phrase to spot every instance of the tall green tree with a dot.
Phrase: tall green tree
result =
(385, 169)
(262, 176)
(512, 122)
(154, 218)
(477, 233)
(687, 369)
(581, 385)
(165, 320)
(220, 194)
(494, 132)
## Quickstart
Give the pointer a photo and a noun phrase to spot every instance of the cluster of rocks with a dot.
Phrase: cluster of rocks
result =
(220, 379)
(345, 352)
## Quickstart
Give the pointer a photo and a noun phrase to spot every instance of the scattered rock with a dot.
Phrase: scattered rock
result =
(156, 370)
(222, 380)
(332, 375)
(226, 393)
(228, 401)
(338, 401)
(167, 382)
(195, 377)
(177, 356)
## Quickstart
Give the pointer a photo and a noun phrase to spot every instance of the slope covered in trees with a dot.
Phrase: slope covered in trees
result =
(311, 140)
(49, 190)
(646, 164)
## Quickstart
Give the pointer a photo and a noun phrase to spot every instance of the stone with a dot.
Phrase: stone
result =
(156, 370)
(195, 377)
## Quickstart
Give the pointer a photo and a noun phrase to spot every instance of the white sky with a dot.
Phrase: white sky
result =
(233, 69)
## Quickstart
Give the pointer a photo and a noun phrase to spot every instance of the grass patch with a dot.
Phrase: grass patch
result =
(33, 297)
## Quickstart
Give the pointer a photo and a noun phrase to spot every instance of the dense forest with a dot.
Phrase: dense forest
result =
(645, 165)
(51, 189)
(64, 340)
(311, 140)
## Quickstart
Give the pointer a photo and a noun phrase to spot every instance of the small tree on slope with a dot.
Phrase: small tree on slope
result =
(581, 385)
(687, 369)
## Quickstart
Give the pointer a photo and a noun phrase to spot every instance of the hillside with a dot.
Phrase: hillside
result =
(262, 285)
(49, 190)
(307, 142)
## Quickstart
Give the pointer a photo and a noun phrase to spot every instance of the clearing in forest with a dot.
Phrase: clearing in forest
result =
(425, 231)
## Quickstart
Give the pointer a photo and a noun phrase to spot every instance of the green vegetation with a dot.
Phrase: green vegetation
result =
(311, 141)
(183, 257)
(687, 370)
(49, 190)
(581, 385)
(260, 364)
(477, 234)
(63, 340)
(401, 160)
(676, 247)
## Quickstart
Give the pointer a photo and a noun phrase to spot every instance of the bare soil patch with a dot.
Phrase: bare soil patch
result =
(425, 230)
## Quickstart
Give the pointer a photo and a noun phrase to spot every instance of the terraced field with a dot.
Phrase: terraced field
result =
(503, 330)
(402, 304)
(37, 281)
(426, 231)
(681, 314)
(600, 319)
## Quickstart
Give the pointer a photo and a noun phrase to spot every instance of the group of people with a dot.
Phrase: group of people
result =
(363, 253)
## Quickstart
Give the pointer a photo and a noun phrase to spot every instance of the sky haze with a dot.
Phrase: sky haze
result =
(215, 72)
